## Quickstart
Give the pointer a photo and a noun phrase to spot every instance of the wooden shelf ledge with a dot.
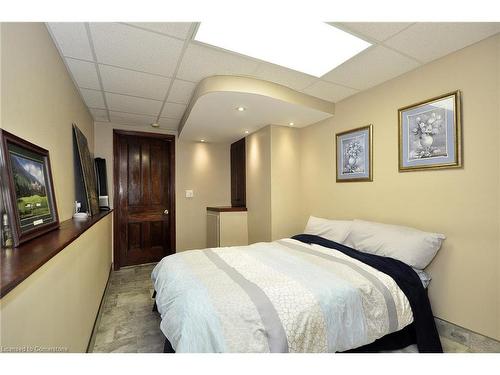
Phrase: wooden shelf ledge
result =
(226, 209)
(16, 264)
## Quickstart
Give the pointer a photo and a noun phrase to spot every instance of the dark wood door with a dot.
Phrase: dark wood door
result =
(144, 197)
(238, 174)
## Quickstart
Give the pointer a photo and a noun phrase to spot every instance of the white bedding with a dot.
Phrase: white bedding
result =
(282, 296)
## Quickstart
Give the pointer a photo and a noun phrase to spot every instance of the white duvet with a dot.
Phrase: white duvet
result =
(283, 296)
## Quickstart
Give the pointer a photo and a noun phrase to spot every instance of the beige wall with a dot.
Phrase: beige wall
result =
(286, 202)
(40, 102)
(498, 121)
(258, 189)
(57, 305)
(273, 183)
(461, 203)
(202, 167)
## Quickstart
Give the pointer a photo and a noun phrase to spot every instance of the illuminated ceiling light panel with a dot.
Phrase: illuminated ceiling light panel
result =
(313, 48)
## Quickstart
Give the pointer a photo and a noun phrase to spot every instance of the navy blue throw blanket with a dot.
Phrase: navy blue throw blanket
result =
(427, 337)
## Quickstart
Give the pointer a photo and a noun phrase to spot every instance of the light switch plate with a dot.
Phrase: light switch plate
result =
(189, 194)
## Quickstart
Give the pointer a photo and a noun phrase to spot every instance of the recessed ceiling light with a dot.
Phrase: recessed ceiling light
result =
(240, 109)
(246, 132)
(155, 125)
(291, 124)
(202, 140)
(310, 47)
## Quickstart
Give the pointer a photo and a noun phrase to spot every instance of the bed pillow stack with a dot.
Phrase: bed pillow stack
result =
(411, 246)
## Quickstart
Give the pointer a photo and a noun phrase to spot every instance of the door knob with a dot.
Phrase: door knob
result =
(165, 212)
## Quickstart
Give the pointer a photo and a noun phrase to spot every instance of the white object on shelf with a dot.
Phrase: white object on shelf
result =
(80, 216)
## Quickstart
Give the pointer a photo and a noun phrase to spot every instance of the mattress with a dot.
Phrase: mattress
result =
(282, 296)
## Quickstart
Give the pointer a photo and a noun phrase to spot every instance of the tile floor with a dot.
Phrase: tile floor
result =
(127, 324)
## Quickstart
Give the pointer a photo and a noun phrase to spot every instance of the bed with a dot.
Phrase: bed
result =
(302, 294)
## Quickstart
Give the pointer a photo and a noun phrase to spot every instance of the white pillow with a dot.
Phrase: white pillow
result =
(411, 246)
(333, 230)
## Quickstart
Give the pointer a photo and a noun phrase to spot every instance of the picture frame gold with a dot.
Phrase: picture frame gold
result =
(347, 169)
(425, 154)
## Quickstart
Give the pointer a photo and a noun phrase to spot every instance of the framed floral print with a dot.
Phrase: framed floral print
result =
(27, 188)
(354, 150)
(430, 134)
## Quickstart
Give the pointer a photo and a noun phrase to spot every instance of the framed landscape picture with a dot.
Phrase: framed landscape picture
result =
(430, 134)
(354, 149)
(27, 188)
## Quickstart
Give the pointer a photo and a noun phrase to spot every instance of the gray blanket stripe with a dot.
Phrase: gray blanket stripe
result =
(389, 300)
(276, 336)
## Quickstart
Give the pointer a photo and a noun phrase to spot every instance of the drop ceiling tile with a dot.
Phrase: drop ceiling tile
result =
(130, 82)
(173, 110)
(283, 76)
(329, 91)
(99, 114)
(129, 47)
(428, 41)
(201, 61)
(181, 92)
(169, 123)
(130, 119)
(84, 73)
(93, 98)
(177, 29)
(378, 31)
(371, 67)
(72, 39)
(123, 103)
